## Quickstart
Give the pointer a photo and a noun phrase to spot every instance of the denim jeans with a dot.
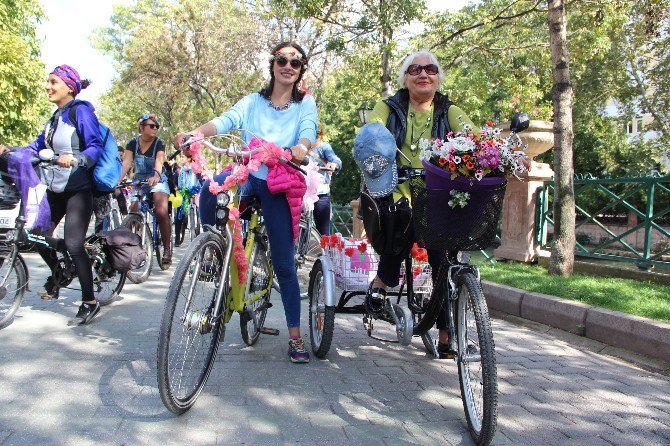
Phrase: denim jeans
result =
(277, 217)
(322, 214)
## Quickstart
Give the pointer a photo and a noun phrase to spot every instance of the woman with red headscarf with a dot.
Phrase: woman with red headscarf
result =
(70, 185)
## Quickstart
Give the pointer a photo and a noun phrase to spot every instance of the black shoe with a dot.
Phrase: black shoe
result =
(166, 261)
(50, 290)
(374, 300)
(444, 352)
(177, 244)
(85, 314)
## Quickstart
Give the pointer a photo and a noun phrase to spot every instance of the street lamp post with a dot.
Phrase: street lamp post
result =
(364, 113)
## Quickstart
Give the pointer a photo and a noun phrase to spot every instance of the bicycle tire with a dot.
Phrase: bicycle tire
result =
(200, 271)
(481, 407)
(321, 323)
(134, 223)
(258, 280)
(13, 289)
(107, 282)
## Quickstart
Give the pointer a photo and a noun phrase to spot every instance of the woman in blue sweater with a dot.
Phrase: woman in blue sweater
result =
(69, 186)
(283, 114)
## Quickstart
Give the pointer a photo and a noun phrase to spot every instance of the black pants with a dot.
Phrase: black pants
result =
(389, 272)
(180, 225)
(322, 214)
(77, 208)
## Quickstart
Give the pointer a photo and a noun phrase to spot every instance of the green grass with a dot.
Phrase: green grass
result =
(629, 296)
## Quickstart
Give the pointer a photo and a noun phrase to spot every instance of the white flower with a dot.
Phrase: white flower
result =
(463, 144)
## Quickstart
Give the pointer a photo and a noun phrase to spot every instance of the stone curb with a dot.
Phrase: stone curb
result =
(634, 333)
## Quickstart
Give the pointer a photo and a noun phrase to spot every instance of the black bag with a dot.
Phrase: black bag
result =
(387, 224)
(123, 249)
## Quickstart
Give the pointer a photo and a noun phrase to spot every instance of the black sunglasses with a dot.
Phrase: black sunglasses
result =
(152, 126)
(415, 69)
(282, 61)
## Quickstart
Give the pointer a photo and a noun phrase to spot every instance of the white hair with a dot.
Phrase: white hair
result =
(402, 72)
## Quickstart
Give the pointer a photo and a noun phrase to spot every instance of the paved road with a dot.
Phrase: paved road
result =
(97, 385)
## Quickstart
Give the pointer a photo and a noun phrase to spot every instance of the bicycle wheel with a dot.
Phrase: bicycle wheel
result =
(107, 283)
(253, 317)
(135, 223)
(476, 360)
(189, 338)
(12, 288)
(321, 316)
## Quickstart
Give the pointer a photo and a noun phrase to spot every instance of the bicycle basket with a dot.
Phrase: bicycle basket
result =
(9, 195)
(470, 228)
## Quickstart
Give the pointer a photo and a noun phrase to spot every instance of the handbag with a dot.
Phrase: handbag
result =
(387, 224)
(123, 249)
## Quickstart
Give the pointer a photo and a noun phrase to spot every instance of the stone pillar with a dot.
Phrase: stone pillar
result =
(357, 224)
(518, 215)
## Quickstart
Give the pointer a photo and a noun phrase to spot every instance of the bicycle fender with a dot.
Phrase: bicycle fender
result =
(328, 280)
(19, 257)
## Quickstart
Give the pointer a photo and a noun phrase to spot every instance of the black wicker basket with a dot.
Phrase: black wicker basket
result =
(470, 228)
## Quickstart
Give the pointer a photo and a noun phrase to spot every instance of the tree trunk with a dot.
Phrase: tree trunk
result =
(563, 246)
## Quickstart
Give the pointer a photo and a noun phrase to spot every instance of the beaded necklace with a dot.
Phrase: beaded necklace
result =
(280, 107)
(413, 142)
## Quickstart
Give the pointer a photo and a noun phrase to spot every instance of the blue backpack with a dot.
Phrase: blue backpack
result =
(107, 171)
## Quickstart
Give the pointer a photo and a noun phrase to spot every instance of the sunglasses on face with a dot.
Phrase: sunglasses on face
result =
(415, 69)
(152, 126)
(281, 61)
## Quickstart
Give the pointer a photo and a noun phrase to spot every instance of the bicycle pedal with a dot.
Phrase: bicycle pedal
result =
(264, 306)
(269, 331)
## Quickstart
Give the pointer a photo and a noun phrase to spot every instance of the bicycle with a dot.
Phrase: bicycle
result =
(138, 223)
(456, 286)
(206, 290)
(14, 276)
(190, 206)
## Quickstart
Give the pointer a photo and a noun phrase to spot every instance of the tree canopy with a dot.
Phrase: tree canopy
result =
(23, 103)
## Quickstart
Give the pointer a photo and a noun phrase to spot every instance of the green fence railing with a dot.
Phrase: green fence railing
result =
(341, 219)
(625, 219)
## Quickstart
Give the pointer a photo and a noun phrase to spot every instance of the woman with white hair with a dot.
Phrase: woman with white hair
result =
(416, 111)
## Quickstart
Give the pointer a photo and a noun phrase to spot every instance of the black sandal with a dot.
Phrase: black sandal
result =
(374, 300)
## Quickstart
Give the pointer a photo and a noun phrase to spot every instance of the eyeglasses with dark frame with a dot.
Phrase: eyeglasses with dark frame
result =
(415, 69)
(281, 61)
(152, 126)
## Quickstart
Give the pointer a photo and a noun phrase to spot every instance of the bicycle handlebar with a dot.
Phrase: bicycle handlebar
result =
(234, 152)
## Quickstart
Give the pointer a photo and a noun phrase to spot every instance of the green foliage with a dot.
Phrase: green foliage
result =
(630, 296)
(187, 61)
(23, 103)
(353, 84)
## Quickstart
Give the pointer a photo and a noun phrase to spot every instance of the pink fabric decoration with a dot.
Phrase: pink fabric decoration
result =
(283, 178)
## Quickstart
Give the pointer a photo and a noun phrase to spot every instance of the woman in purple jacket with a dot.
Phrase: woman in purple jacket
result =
(69, 186)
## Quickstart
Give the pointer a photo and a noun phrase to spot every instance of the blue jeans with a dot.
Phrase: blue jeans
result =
(277, 217)
(322, 214)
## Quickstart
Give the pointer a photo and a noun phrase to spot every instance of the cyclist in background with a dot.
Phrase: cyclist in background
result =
(187, 179)
(283, 114)
(146, 153)
(70, 186)
(324, 155)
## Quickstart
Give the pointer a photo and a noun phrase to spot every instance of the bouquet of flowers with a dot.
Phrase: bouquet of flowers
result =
(475, 155)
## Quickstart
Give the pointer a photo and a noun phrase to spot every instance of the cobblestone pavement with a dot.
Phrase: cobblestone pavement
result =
(97, 385)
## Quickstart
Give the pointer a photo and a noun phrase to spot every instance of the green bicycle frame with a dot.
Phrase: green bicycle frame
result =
(236, 296)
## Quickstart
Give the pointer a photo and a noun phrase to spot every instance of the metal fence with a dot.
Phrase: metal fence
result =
(341, 219)
(624, 219)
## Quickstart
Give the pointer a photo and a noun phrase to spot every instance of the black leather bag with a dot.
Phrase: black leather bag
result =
(387, 224)
(123, 249)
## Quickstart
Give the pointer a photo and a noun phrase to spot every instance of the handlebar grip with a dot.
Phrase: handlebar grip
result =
(296, 167)
(305, 161)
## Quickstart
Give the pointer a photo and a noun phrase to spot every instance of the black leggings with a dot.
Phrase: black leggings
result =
(77, 208)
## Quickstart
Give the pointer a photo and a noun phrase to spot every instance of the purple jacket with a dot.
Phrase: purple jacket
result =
(81, 142)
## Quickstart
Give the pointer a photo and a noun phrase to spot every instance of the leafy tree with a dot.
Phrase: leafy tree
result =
(185, 60)
(23, 103)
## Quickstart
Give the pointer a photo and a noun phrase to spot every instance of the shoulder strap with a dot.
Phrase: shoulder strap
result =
(72, 114)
